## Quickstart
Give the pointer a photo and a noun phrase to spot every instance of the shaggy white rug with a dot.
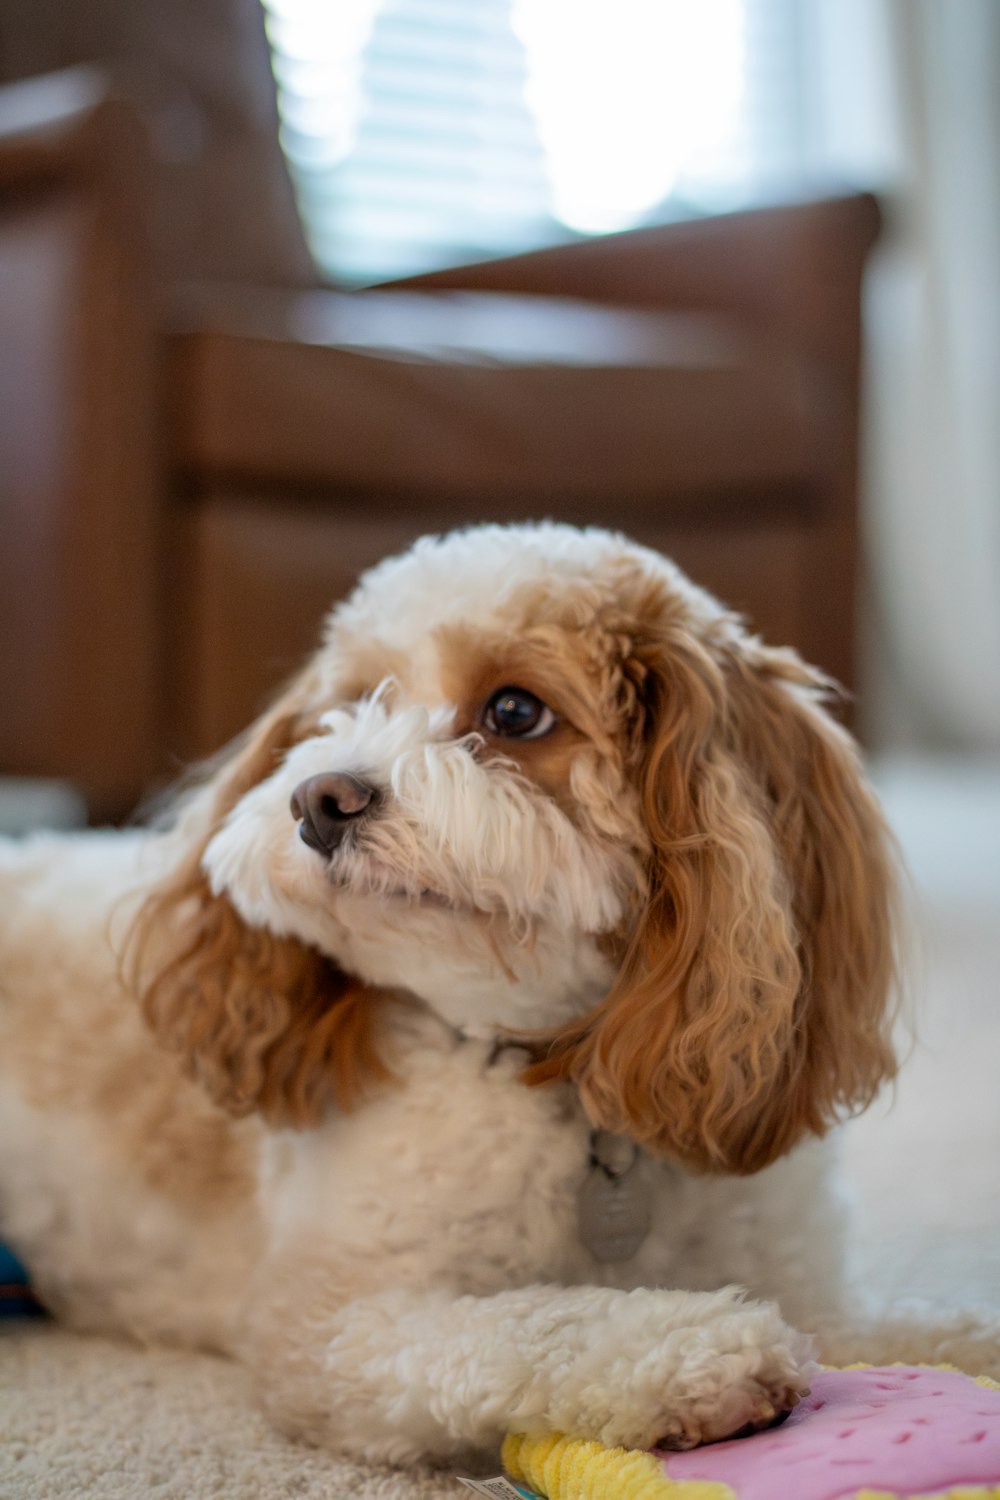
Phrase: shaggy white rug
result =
(91, 1419)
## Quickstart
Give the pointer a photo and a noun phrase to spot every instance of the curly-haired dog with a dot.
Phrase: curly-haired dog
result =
(444, 1058)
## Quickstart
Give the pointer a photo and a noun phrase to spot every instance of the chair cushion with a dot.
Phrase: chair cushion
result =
(484, 394)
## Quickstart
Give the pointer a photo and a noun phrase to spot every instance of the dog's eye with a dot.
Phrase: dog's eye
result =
(518, 714)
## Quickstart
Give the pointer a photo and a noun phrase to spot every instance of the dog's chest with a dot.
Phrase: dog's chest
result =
(461, 1170)
(463, 1175)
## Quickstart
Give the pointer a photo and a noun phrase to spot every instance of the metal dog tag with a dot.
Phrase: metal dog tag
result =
(613, 1209)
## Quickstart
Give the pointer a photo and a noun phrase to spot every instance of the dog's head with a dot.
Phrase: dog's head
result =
(537, 779)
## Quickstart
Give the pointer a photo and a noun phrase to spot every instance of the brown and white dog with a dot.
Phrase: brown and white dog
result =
(470, 1029)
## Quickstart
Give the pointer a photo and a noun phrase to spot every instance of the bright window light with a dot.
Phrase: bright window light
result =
(627, 97)
(427, 132)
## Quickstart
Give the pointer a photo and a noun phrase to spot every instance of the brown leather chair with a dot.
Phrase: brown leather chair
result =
(81, 497)
(695, 385)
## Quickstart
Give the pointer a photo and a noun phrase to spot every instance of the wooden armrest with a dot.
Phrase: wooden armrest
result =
(60, 125)
(794, 269)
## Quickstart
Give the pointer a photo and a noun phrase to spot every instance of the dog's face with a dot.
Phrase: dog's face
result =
(463, 819)
(538, 780)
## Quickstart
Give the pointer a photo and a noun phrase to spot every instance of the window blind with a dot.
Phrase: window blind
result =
(422, 133)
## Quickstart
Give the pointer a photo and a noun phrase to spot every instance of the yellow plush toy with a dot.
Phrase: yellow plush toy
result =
(866, 1433)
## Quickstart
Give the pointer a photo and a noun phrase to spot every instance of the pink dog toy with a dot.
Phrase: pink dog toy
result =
(878, 1433)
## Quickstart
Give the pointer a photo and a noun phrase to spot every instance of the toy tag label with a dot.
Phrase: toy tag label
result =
(498, 1489)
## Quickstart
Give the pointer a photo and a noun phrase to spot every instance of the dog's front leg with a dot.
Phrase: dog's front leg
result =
(398, 1376)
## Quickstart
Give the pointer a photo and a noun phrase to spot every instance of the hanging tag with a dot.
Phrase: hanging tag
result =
(613, 1209)
(498, 1489)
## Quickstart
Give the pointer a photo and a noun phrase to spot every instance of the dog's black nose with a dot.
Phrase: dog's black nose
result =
(327, 805)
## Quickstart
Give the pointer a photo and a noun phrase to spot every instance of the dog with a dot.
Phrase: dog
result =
(459, 1052)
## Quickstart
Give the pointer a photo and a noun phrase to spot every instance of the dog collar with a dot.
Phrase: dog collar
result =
(613, 1206)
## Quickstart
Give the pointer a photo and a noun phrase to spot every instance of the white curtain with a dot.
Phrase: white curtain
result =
(911, 95)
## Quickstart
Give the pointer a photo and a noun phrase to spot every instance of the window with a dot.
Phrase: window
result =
(423, 133)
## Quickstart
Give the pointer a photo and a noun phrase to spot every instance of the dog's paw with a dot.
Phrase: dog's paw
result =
(726, 1366)
(743, 1371)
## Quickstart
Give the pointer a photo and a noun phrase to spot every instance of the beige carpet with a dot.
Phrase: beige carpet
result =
(88, 1419)
(926, 1165)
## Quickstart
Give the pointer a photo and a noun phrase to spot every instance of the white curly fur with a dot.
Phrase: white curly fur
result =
(405, 1278)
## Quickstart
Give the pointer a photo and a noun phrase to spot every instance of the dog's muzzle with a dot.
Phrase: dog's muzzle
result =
(327, 806)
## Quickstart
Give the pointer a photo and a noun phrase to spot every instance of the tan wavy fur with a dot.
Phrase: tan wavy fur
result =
(753, 1003)
(261, 1022)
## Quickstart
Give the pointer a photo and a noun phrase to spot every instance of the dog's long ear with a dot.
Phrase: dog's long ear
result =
(262, 1022)
(753, 1001)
